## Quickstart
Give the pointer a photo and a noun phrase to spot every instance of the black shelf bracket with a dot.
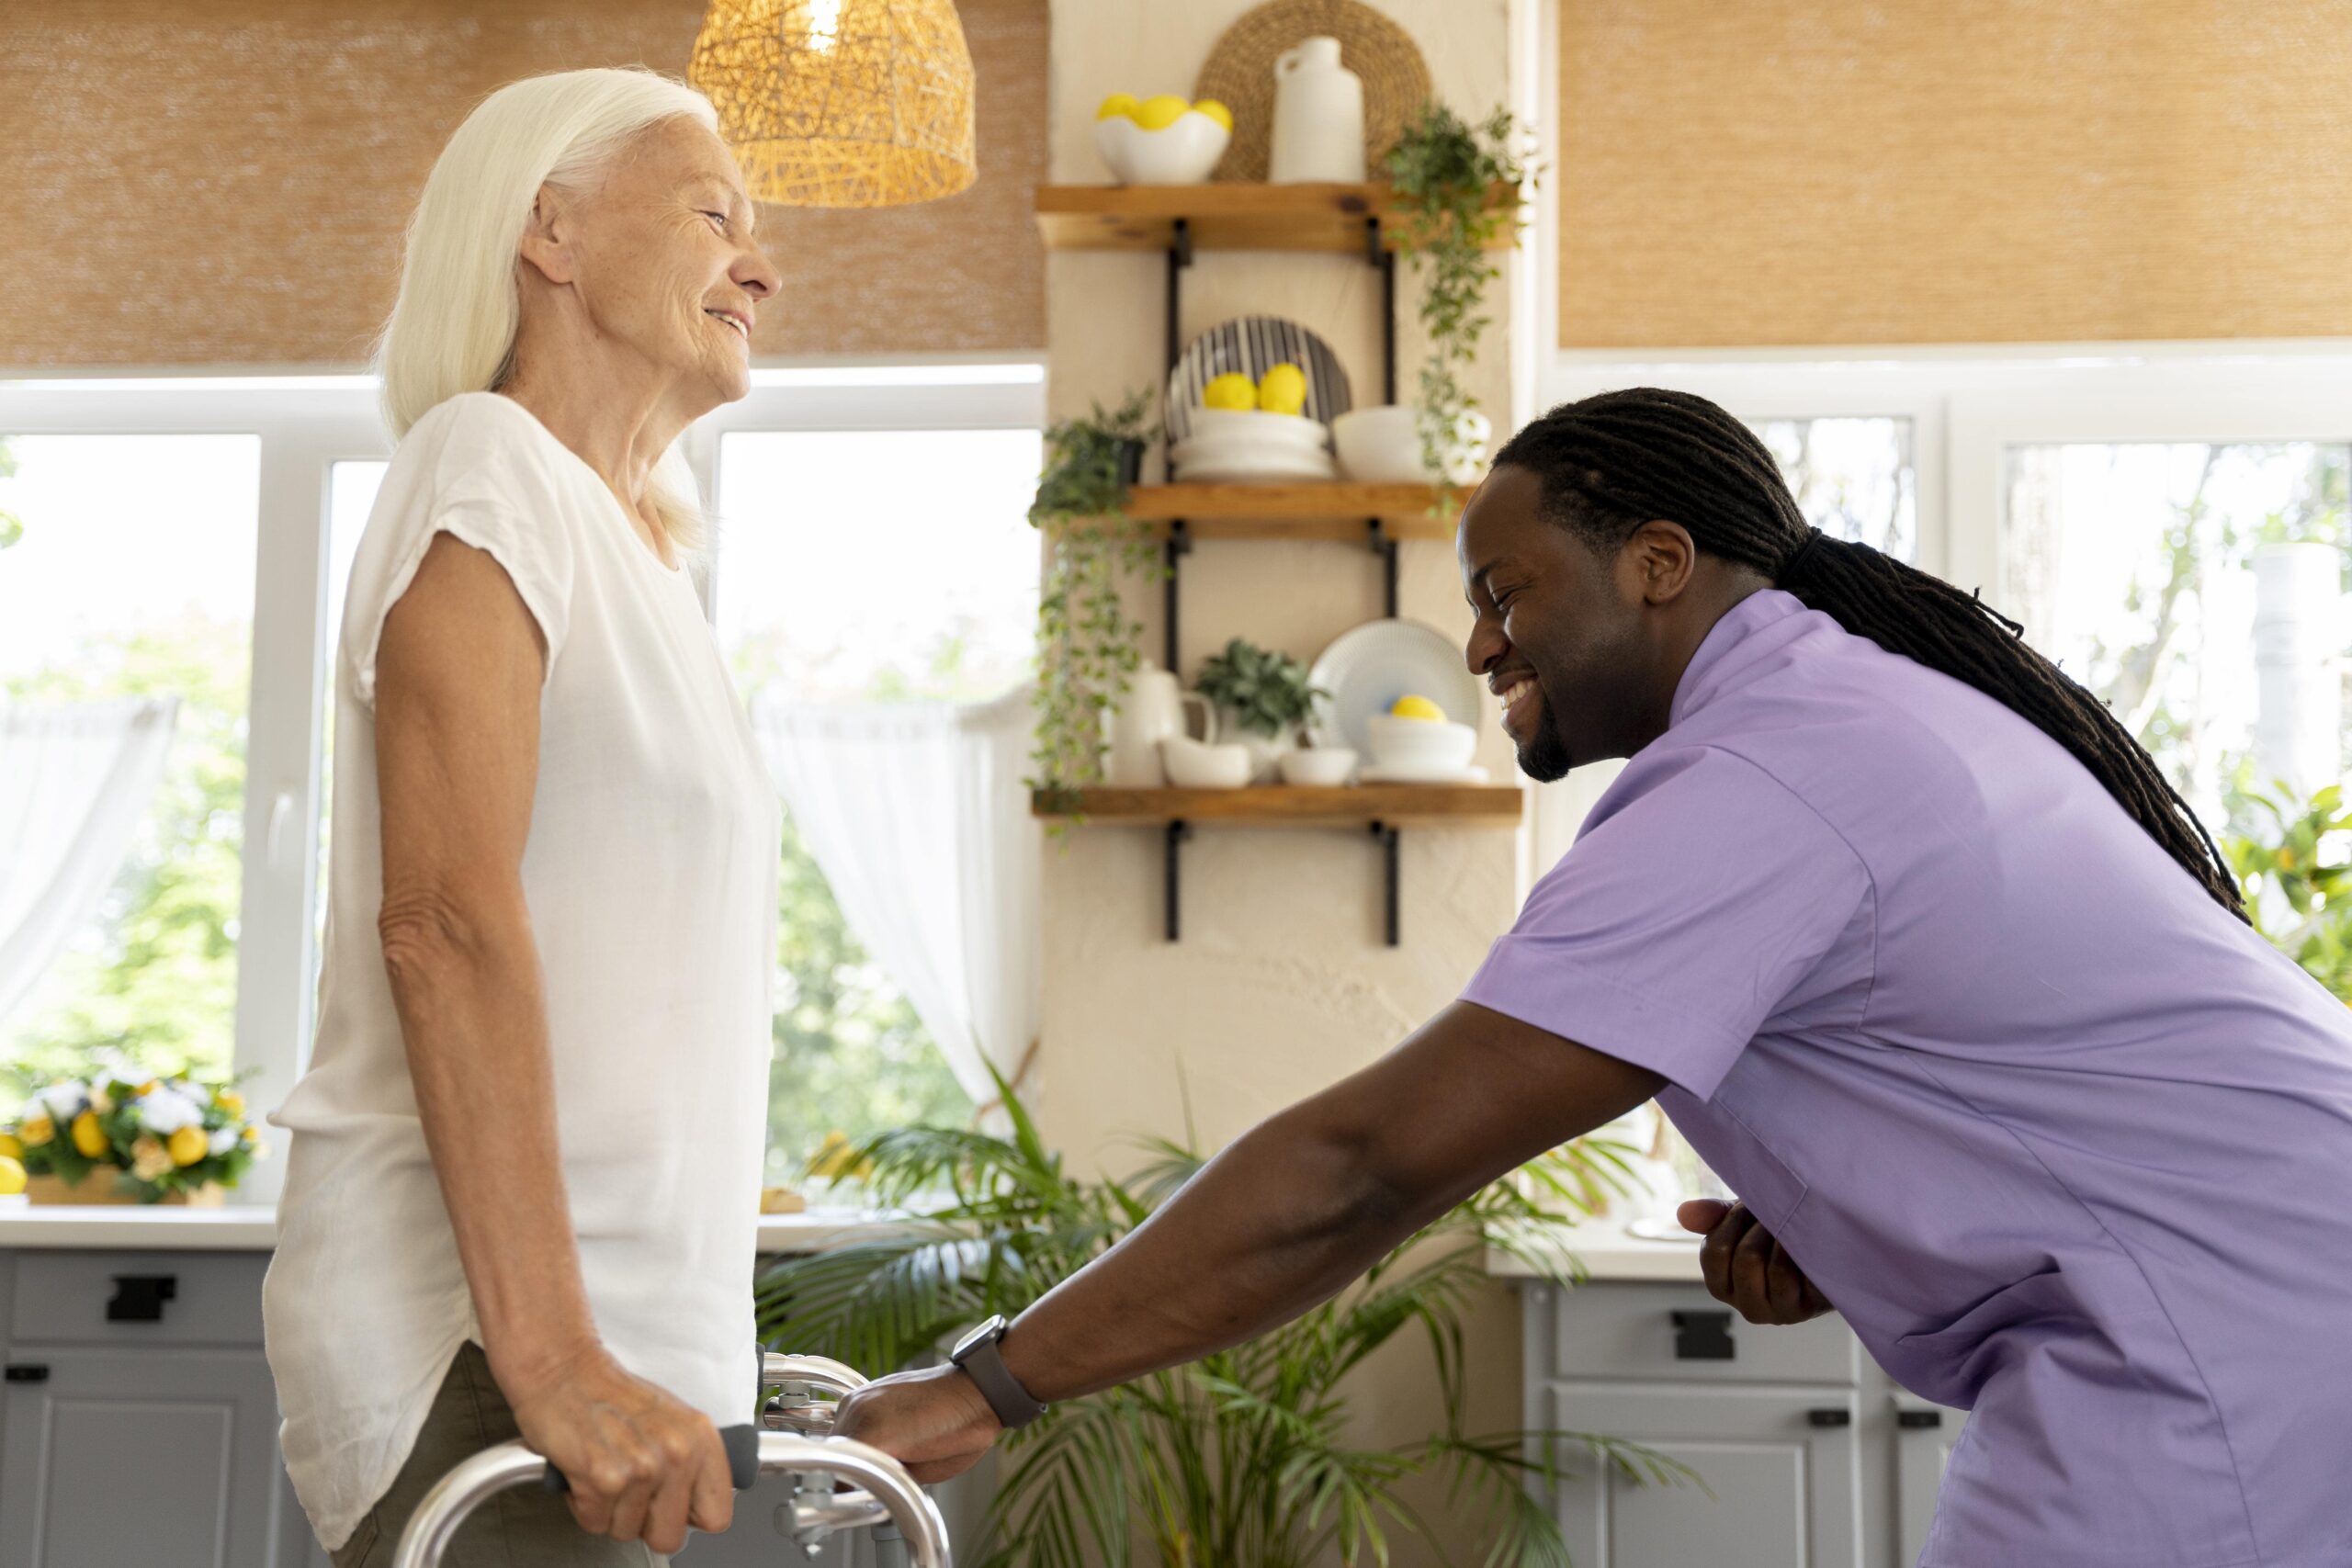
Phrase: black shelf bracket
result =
(1394, 924)
(1384, 546)
(1174, 846)
(1179, 545)
(1384, 261)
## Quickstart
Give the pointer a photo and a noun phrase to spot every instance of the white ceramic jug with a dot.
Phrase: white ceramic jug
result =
(1152, 710)
(1318, 117)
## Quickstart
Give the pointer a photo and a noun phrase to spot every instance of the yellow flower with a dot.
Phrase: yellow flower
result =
(149, 1158)
(2286, 859)
(230, 1100)
(89, 1136)
(188, 1145)
(147, 1087)
(100, 1100)
(10, 1146)
(36, 1130)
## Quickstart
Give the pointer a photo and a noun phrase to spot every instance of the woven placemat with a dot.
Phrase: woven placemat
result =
(1240, 75)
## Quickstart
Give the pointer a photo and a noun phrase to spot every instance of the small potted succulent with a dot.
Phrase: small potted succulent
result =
(126, 1136)
(1263, 701)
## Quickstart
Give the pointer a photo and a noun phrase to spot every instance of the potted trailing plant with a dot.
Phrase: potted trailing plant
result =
(1087, 645)
(124, 1136)
(1263, 700)
(1242, 1458)
(1460, 187)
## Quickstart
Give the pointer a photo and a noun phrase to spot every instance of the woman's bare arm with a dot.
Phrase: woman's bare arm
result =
(458, 672)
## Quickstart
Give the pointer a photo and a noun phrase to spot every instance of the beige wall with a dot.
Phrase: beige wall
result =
(1280, 985)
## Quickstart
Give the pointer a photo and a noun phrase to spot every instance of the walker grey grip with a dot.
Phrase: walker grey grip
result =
(742, 1445)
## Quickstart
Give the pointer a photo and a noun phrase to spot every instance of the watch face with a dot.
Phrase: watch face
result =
(987, 1331)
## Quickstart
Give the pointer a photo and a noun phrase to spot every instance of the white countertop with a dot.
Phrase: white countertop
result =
(254, 1228)
(1606, 1253)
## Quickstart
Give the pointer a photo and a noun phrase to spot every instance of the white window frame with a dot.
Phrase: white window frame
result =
(306, 424)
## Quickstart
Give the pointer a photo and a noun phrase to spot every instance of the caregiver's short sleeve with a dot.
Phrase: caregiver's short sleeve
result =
(475, 468)
(1699, 898)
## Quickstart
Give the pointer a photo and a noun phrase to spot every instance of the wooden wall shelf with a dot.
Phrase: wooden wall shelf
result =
(1308, 511)
(1382, 810)
(1220, 216)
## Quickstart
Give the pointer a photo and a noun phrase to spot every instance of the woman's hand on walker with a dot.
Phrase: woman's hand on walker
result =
(1746, 1267)
(641, 1464)
(936, 1421)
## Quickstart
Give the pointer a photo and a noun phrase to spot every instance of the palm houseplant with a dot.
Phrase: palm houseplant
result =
(1243, 1457)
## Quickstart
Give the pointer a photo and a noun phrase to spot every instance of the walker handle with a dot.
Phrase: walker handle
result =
(742, 1460)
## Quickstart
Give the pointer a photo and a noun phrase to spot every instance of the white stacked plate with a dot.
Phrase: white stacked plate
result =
(1243, 446)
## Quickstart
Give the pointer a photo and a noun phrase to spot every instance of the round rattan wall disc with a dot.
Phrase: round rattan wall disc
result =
(1240, 75)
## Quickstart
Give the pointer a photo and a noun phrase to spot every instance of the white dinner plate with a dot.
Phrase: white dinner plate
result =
(1407, 773)
(1367, 669)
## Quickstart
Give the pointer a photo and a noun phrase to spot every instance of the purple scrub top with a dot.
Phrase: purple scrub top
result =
(2066, 1144)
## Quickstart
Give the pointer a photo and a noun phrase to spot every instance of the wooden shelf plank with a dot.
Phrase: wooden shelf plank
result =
(1284, 805)
(1221, 217)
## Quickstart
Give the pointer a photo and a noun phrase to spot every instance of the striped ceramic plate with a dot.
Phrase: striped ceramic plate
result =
(1253, 345)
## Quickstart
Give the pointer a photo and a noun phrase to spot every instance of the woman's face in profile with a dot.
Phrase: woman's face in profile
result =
(661, 257)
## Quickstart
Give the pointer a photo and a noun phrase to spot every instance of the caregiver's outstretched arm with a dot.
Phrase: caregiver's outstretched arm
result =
(1283, 1219)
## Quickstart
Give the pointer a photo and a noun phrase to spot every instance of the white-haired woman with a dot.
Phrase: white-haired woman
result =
(523, 1191)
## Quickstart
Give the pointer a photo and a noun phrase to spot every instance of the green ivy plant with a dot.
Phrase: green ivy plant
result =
(1265, 691)
(1460, 188)
(2294, 862)
(1244, 1457)
(1088, 646)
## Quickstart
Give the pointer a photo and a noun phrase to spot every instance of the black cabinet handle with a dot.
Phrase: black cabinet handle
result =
(27, 1371)
(1918, 1420)
(140, 1298)
(1703, 1336)
(1829, 1416)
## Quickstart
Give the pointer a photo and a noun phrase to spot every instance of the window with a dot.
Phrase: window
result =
(1853, 477)
(131, 574)
(859, 566)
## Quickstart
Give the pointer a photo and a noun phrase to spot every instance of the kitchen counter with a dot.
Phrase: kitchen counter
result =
(1607, 1253)
(254, 1228)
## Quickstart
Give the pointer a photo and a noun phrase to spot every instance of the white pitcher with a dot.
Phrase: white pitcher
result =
(1152, 709)
(1318, 117)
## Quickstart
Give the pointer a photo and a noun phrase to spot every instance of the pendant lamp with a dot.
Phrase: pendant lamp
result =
(840, 103)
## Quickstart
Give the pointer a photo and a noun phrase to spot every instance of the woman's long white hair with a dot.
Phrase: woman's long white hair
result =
(452, 329)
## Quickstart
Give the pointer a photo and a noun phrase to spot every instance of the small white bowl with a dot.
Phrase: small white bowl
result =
(1255, 425)
(1192, 764)
(1419, 742)
(1380, 445)
(1321, 767)
(1180, 153)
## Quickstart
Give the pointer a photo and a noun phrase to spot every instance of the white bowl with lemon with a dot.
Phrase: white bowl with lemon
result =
(1247, 431)
(1415, 739)
(1162, 141)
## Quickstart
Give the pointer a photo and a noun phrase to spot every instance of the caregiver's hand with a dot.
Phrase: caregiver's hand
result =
(641, 1464)
(1746, 1267)
(936, 1421)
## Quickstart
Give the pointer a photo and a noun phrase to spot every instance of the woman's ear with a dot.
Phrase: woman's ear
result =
(547, 236)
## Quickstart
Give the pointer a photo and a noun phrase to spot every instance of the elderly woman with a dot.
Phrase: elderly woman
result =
(522, 1196)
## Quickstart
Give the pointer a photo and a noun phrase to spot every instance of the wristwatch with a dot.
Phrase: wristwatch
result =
(977, 1354)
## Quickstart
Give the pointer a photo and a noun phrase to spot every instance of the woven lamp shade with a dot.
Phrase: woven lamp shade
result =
(840, 103)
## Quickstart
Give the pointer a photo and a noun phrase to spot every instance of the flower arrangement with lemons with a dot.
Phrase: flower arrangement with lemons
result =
(1162, 141)
(152, 1138)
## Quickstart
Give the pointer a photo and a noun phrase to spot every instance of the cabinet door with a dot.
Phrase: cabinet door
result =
(1782, 1464)
(1924, 1436)
(139, 1456)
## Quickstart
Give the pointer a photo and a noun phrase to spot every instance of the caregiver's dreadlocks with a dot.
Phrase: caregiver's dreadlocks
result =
(1611, 462)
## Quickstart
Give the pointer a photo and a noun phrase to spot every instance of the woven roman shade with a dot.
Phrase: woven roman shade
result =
(1819, 172)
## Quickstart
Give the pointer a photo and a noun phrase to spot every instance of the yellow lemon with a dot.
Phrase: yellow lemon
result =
(1159, 113)
(188, 1145)
(9, 1147)
(1216, 112)
(12, 1177)
(89, 1136)
(1416, 707)
(1231, 390)
(1117, 104)
(230, 1100)
(37, 1131)
(1283, 390)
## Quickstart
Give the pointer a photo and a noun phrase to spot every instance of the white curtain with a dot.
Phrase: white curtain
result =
(917, 816)
(74, 781)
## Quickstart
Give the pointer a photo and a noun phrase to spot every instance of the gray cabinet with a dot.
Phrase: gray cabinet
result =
(139, 1422)
(1810, 1456)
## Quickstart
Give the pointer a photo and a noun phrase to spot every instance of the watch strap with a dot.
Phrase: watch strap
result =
(984, 1364)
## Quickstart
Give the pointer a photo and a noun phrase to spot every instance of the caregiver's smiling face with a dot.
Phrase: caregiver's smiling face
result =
(1561, 633)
